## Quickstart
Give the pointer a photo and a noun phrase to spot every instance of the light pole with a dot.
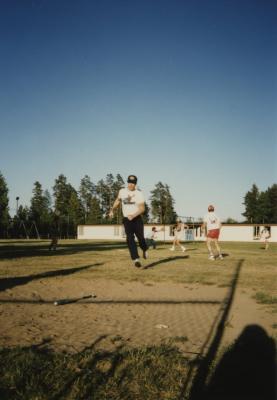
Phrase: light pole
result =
(17, 198)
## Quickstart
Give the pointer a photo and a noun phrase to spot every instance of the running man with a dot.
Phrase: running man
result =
(133, 206)
(178, 232)
(212, 226)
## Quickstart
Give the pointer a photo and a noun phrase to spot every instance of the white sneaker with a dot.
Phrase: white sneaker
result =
(220, 256)
(183, 249)
(172, 249)
(211, 257)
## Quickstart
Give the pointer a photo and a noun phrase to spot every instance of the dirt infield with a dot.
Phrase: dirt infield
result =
(134, 313)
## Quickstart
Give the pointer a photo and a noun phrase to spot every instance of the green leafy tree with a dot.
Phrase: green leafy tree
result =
(75, 213)
(230, 221)
(261, 207)
(162, 204)
(251, 202)
(63, 203)
(264, 207)
(21, 222)
(146, 214)
(272, 204)
(117, 184)
(87, 191)
(40, 209)
(4, 207)
(95, 213)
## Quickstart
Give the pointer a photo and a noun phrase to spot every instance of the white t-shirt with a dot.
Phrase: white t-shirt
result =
(179, 230)
(265, 234)
(152, 235)
(130, 199)
(212, 221)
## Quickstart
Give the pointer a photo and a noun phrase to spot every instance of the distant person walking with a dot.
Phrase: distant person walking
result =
(265, 236)
(212, 226)
(178, 231)
(54, 234)
(133, 206)
(54, 242)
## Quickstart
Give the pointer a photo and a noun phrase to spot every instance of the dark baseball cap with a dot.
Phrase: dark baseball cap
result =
(132, 179)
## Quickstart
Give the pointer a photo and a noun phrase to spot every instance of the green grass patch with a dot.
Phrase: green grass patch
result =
(264, 298)
(145, 373)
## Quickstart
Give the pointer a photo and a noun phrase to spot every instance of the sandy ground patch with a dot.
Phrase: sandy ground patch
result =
(131, 312)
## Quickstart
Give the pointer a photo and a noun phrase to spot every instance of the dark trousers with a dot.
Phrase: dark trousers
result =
(151, 242)
(132, 228)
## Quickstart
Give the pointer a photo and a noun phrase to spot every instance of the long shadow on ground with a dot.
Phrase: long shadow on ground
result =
(42, 249)
(8, 283)
(214, 339)
(246, 371)
(165, 260)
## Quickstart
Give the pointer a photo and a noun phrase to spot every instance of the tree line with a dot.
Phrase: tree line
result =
(61, 212)
(66, 208)
(261, 206)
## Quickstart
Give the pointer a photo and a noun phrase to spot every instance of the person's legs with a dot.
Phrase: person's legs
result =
(218, 248)
(139, 232)
(173, 244)
(209, 246)
(149, 242)
(130, 238)
(178, 242)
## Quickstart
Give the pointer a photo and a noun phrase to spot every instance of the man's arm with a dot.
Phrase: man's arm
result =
(141, 209)
(204, 228)
(114, 207)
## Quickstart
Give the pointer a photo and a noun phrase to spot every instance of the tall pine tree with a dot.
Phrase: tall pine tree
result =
(4, 207)
(162, 204)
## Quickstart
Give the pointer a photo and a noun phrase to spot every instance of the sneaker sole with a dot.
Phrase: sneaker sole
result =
(137, 264)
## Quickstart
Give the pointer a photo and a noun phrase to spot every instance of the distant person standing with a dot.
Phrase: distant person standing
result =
(265, 236)
(212, 226)
(133, 206)
(178, 231)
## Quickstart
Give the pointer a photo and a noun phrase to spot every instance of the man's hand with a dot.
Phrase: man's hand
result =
(111, 214)
(130, 217)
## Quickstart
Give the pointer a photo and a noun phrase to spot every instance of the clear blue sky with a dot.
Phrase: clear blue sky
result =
(178, 91)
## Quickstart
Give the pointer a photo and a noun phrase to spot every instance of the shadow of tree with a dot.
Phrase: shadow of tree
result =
(8, 283)
(33, 249)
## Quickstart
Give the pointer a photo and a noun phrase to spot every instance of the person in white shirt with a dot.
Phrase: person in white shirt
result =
(265, 236)
(152, 237)
(133, 206)
(212, 226)
(178, 232)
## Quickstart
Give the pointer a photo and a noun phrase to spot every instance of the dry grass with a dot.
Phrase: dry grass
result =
(151, 373)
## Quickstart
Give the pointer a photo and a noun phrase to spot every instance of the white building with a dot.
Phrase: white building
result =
(232, 233)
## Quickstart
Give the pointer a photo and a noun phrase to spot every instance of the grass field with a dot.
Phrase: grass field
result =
(154, 371)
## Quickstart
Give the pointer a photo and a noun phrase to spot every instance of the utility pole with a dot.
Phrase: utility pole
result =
(17, 198)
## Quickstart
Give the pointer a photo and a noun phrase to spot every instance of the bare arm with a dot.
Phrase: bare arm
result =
(141, 209)
(114, 207)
